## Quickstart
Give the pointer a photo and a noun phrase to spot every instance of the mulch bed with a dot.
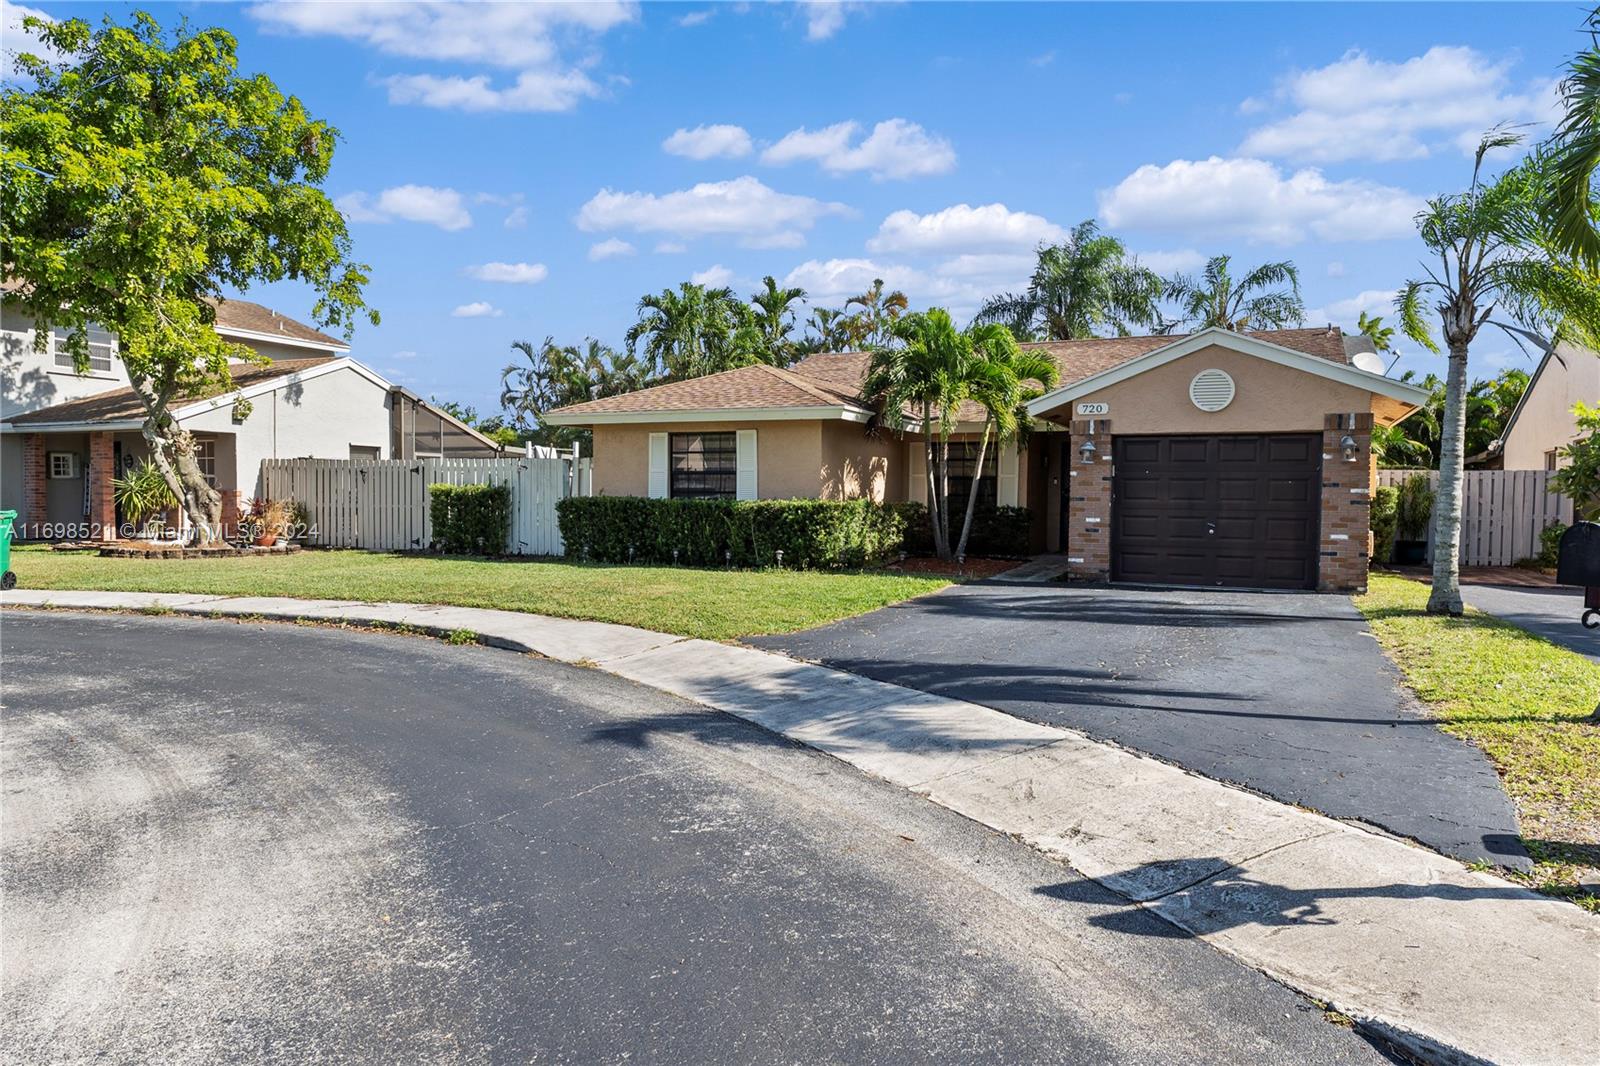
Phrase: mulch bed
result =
(927, 564)
(136, 550)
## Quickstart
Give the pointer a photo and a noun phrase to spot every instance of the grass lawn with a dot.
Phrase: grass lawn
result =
(714, 604)
(1525, 701)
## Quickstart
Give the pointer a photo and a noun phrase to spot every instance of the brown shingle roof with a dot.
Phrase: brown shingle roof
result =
(838, 375)
(121, 405)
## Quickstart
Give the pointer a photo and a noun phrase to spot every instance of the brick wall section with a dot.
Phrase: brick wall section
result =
(1346, 541)
(1088, 515)
(35, 509)
(230, 511)
(102, 469)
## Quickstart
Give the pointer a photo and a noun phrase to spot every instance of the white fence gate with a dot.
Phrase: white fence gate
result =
(382, 505)
(1502, 512)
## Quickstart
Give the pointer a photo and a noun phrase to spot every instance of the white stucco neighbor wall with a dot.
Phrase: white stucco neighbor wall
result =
(30, 380)
(318, 418)
(1546, 421)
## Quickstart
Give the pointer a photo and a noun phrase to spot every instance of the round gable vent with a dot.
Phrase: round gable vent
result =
(1211, 390)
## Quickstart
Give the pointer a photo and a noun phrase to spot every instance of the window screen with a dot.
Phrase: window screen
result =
(703, 465)
(963, 469)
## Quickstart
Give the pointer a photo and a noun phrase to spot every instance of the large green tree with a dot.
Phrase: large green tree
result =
(695, 331)
(1083, 287)
(1497, 264)
(1568, 204)
(871, 323)
(1267, 297)
(774, 314)
(143, 175)
(551, 375)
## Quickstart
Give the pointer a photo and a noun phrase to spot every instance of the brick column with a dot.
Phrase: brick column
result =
(1088, 517)
(35, 508)
(102, 469)
(230, 511)
(1346, 541)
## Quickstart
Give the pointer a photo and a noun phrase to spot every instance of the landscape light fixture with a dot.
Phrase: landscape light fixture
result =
(1086, 451)
(1352, 450)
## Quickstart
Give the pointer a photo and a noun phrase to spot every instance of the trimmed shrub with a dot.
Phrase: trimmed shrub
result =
(812, 534)
(1550, 544)
(997, 532)
(470, 519)
(1385, 499)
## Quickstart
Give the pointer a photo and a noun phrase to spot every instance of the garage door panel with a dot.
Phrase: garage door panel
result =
(1234, 510)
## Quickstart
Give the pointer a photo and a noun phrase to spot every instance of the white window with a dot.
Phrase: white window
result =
(205, 457)
(62, 464)
(102, 348)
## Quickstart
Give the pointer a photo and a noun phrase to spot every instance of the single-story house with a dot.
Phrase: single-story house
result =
(1215, 458)
(1542, 422)
(64, 435)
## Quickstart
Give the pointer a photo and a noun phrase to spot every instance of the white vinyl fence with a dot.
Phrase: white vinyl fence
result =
(1502, 512)
(382, 505)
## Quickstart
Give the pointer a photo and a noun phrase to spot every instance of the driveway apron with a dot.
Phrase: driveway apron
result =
(1552, 613)
(1284, 693)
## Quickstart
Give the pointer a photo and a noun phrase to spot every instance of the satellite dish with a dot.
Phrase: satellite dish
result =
(1371, 362)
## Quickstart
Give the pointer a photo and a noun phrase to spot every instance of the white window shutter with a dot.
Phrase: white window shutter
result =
(917, 467)
(1005, 488)
(658, 466)
(745, 466)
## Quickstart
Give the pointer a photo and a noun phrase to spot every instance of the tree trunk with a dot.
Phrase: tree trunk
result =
(944, 499)
(1446, 595)
(935, 515)
(972, 494)
(172, 450)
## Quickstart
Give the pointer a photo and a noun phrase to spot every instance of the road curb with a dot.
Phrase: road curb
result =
(1450, 964)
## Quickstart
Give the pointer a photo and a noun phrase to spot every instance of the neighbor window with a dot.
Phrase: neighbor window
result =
(63, 464)
(1552, 459)
(364, 451)
(704, 465)
(205, 457)
(102, 346)
(963, 468)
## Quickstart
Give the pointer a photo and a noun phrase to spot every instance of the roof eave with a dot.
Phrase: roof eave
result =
(821, 413)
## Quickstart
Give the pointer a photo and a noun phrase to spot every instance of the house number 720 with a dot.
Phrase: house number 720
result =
(1094, 408)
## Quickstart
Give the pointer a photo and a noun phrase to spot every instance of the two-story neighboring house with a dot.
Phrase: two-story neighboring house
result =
(64, 435)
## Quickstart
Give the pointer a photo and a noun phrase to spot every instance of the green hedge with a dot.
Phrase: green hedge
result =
(812, 534)
(470, 519)
(997, 532)
(1383, 514)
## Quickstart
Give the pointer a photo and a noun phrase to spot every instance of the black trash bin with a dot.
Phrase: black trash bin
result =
(1579, 564)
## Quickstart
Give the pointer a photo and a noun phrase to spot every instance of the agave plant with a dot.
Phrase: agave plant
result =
(142, 492)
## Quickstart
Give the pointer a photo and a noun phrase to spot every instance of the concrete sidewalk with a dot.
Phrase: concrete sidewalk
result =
(1452, 964)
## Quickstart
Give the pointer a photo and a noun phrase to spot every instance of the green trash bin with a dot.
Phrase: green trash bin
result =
(8, 580)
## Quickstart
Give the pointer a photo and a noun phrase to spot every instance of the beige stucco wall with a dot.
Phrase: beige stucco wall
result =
(1268, 398)
(788, 456)
(855, 465)
(1546, 420)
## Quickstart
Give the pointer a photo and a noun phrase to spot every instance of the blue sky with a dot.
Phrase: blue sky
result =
(512, 171)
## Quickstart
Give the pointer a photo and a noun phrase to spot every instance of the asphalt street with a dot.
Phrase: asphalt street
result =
(267, 842)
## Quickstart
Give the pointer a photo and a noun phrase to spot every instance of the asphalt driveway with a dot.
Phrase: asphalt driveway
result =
(1287, 694)
(268, 843)
(1553, 613)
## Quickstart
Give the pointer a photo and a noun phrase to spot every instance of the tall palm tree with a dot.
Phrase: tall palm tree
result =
(873, 324)
(1259, 300)
(773, 308)
(830, 328)
(1495, 253)
(1011, 378)
(553, 375)
(1085, 285)
(1568, 206)
(694, 331)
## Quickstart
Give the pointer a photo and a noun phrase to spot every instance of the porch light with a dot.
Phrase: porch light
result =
(1086, 451)
(1352, 450)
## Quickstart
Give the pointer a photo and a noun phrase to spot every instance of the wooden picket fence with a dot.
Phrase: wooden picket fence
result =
(1502, 512)
(382, 505)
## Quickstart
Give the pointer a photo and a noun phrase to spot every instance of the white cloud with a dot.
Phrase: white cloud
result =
(670, 248)
(534, 90)
(895, 148)
(1174, 261)
(959, 284)
(1255, 200)
(709, 142)
(614, 248)
(510, 273)
(696, 18)
(833, 281)
(1345, 312)
(444, 208)
(17, 37)
(824, 18)
(742, 207)
(517, 218)
(712, 277)
(502, 35)
(480, 309)
(404, 355)
(964, 228)
(1364, 108)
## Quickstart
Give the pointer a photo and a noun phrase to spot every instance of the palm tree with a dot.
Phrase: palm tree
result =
(554, 375)
(1495, 252)
(1011, 378)
(1079, 288)
(1568, 206)
(695, 331)
(831, 327)
(1255, 301)
(873, 324)
(773, 308)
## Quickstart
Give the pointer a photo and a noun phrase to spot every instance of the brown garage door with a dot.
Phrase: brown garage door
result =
(1234, 511)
